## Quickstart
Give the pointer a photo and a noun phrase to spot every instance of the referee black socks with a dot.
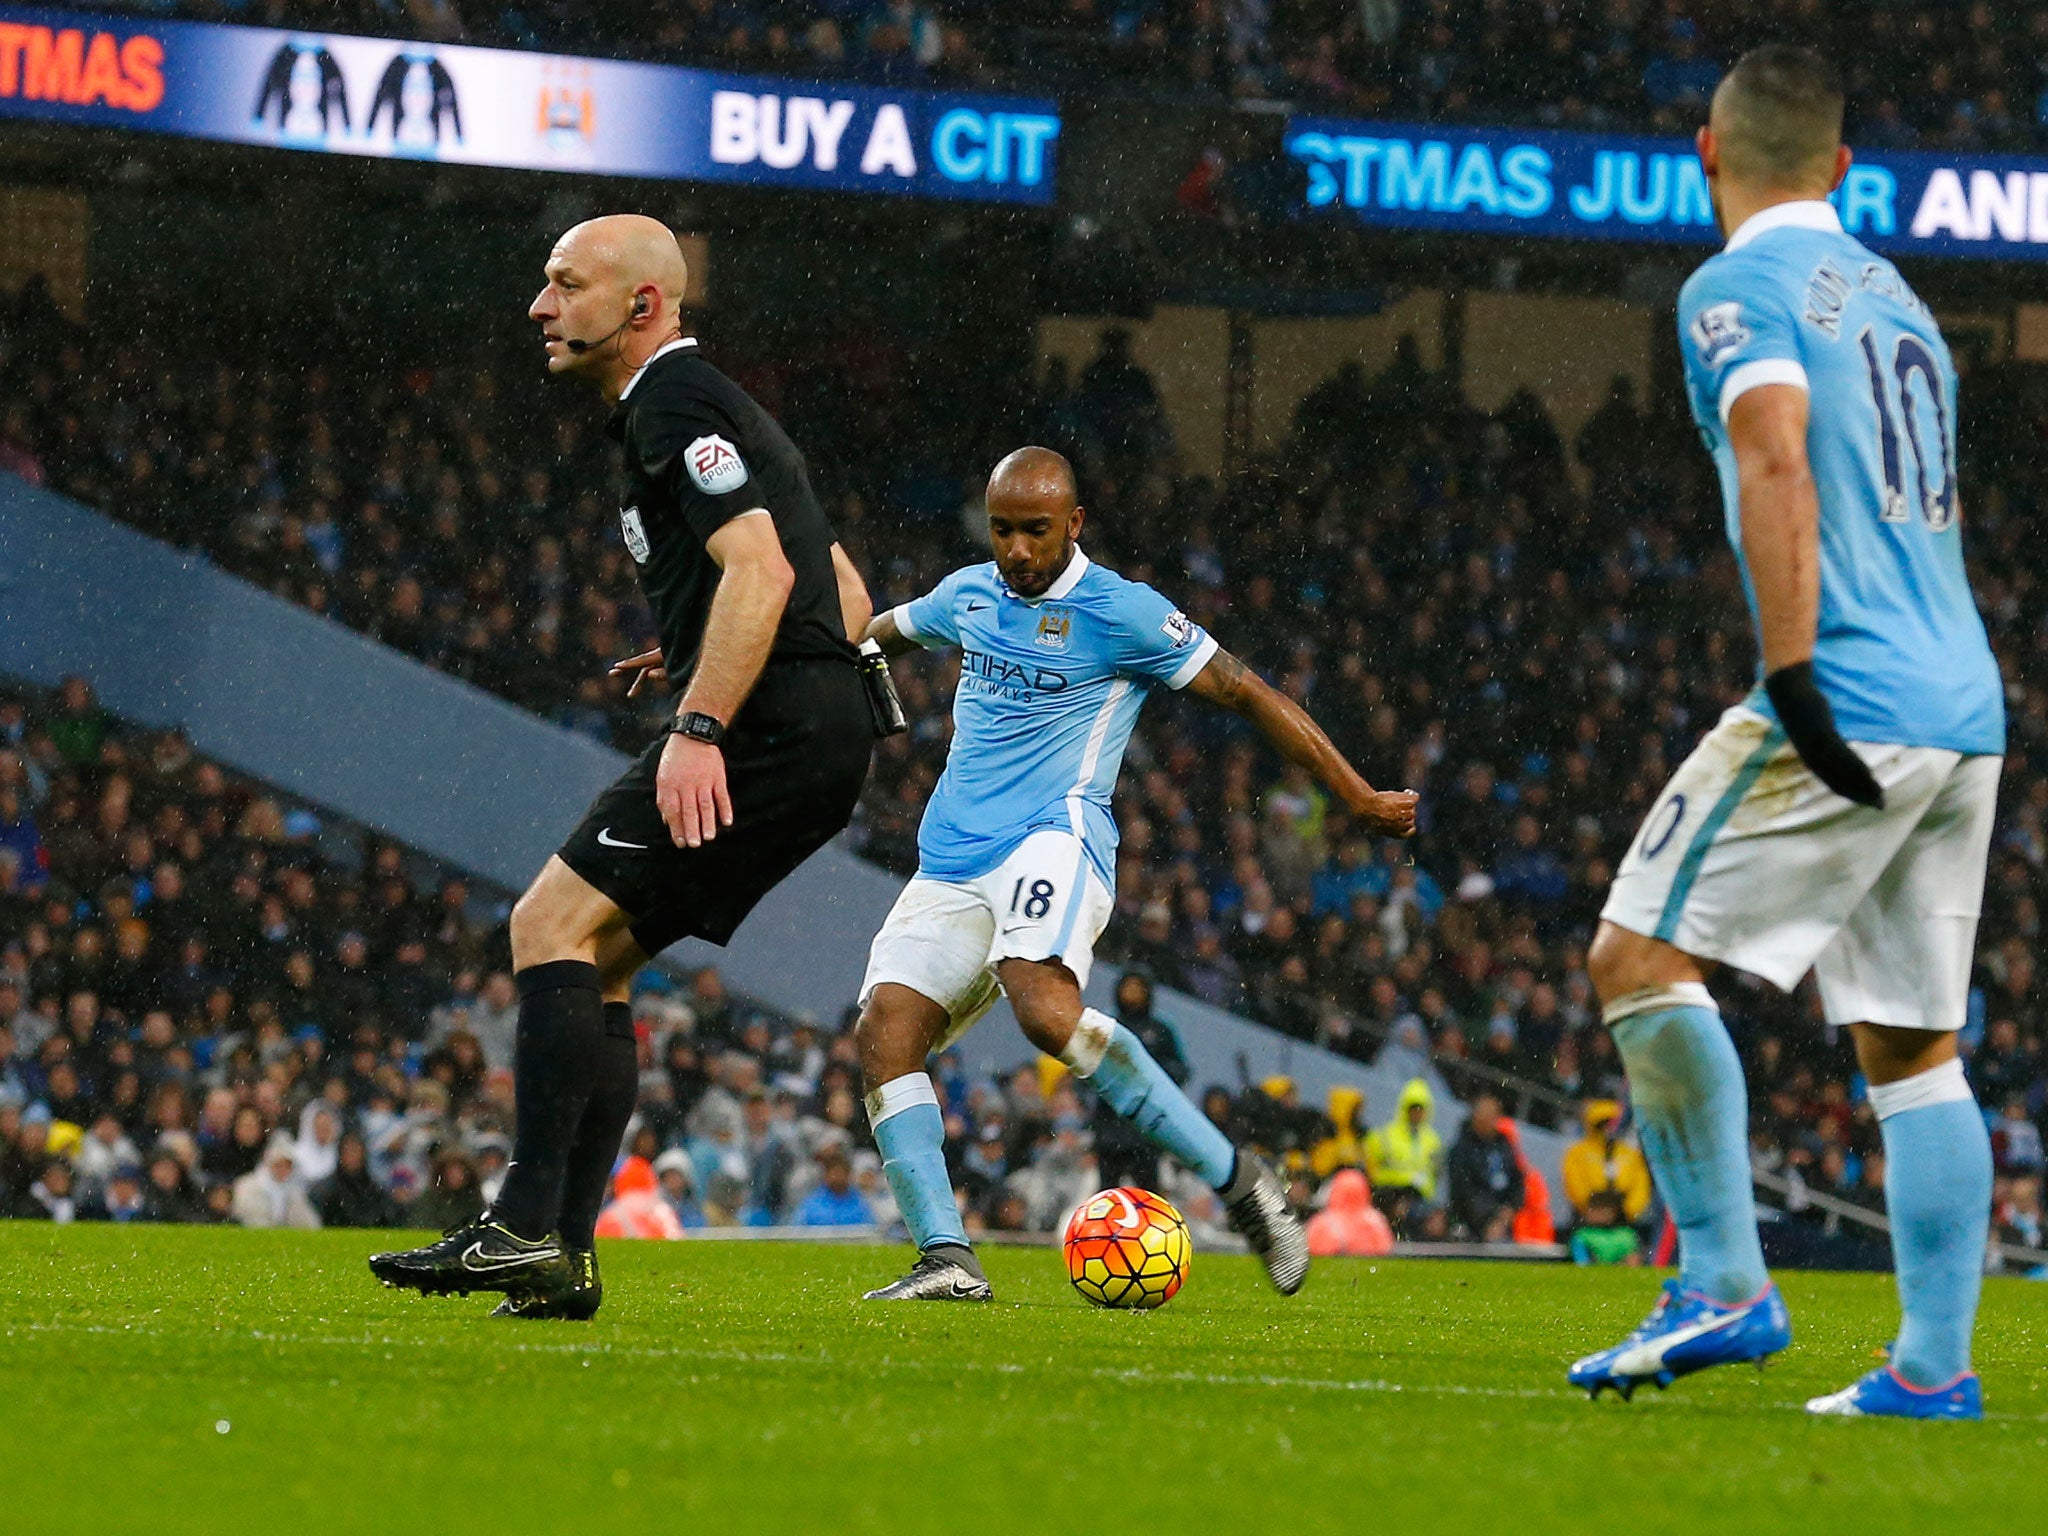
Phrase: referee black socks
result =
(613, 1097)
(556, 1061)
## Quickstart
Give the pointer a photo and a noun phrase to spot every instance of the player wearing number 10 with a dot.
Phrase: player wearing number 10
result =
(1838, 820)
(1017, 856)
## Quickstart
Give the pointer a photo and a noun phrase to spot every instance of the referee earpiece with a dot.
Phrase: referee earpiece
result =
(579, 346)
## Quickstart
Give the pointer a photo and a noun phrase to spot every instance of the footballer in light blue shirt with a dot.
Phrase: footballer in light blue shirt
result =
(1898, 649)
(1050, 688)
(1838, 821)
(1017, 856)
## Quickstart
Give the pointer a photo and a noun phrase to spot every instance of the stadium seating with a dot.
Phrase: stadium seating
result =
(1424, 575)
(196, 966)
(193, 966)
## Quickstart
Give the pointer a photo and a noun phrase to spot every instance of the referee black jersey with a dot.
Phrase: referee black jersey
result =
(700, 452)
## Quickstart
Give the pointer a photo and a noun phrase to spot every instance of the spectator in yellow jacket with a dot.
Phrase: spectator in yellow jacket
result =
(1404, 1156)
(1600, 1160)
(1344, 1147)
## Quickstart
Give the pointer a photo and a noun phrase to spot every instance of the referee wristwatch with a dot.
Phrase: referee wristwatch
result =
(699, 726)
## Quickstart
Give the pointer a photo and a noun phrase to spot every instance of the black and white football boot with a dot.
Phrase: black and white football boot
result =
(575, 1302)
(1256, 1205)
(938, 1276)
(480, 1255)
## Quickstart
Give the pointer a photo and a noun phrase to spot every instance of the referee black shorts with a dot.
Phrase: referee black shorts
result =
(795, 760)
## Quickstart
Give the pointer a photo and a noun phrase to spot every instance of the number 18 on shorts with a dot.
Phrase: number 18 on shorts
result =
(944, 938)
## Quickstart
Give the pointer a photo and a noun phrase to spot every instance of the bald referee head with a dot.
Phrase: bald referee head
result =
(614, 297)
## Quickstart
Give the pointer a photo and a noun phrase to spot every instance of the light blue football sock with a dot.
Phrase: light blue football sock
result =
(1691, 1109)
(1117, 1066)
(1937, 1188)
(911, 1134)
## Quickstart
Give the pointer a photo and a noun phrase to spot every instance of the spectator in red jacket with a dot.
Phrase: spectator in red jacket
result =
(1349, 1224)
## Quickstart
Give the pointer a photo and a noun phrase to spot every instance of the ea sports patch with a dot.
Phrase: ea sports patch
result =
(636, 534)
(1179, 628)
(1718, 330)
(715, 465)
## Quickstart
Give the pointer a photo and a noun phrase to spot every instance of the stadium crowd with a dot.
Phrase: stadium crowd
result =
(1962, 75)
(1530, 632)
(215, 1006)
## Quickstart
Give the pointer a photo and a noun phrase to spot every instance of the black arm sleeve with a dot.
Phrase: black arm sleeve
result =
(1810, 726)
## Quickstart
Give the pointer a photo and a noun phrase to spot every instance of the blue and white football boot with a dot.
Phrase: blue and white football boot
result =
(1687, 1332)
(1885, 1394)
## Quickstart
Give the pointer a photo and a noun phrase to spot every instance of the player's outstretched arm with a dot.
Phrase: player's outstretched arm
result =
(884, 631)
(644, 668)
(1781, 544)
(1230, 683)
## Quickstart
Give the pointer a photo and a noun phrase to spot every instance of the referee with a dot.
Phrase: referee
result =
(760, 766)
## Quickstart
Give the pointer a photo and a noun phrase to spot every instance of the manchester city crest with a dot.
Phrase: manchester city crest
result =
(1055, 628)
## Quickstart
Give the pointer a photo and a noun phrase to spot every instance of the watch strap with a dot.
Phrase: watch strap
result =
(699, 726)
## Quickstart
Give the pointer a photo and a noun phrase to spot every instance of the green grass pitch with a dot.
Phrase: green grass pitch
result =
(171, 1380)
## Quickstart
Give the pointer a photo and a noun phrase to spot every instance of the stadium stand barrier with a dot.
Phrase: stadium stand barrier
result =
(337, 719)
(272, 691)
(1208, 1240)
(1873, 1229)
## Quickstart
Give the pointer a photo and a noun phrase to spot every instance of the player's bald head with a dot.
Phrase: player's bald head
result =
(1034, 477)
(1777, 118)
(1034, 517)
(628, 251)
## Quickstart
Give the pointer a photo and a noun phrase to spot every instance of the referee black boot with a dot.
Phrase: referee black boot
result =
(480, 1255)
(575, 1301)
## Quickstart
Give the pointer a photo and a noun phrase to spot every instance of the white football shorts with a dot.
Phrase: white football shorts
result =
(1749, 859)
(943, 938)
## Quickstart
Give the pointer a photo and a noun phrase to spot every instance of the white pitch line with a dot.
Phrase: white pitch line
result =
(1133, 1375)
(1130, 1375)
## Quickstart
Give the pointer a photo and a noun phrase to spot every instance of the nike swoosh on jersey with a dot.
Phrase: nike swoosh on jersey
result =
(1647, 1358)
(513, 1261)
(977, 607)
(605, 837)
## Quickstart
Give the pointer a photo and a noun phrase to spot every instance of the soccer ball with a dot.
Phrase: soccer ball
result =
(1127, 1248)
